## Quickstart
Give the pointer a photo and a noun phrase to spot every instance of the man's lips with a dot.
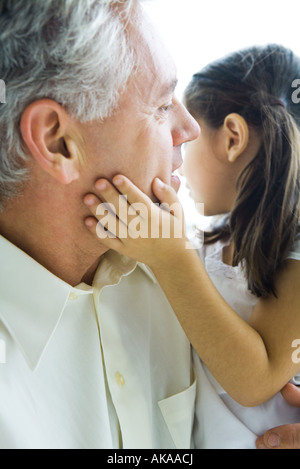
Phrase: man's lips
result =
(175, 182)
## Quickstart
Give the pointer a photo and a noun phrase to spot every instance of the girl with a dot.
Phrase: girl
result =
(240, 306)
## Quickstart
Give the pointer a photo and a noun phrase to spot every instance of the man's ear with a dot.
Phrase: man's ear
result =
(237, 136)
(45, 128)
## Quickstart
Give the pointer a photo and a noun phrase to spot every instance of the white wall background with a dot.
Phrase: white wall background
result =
(200, 31)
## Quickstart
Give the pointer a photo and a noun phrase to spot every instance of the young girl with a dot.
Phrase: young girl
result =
(240, 306)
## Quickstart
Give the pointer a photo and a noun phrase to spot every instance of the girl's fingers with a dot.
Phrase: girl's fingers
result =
(107, 238)
(125, 200)
(128, 213)
(166, 194)
(117, 202)
(107, 215)
(128, 189)
(92, 202)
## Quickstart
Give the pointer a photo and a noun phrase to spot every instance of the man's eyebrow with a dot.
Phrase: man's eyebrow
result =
(169, 88)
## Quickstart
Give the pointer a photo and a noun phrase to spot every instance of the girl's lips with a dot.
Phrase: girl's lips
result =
(175, 182)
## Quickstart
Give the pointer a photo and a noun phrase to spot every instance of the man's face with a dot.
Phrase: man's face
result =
(143, 139)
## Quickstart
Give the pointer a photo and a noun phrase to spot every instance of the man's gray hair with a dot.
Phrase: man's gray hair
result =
(76, 52)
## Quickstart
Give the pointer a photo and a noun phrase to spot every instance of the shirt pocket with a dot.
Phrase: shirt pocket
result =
(178, 412)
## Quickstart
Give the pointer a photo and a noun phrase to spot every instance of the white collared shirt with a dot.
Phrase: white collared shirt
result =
(106, 366)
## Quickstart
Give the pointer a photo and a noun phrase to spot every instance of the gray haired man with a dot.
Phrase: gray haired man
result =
(94, 355)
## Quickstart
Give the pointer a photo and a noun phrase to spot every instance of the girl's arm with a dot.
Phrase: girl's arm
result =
(251, 361)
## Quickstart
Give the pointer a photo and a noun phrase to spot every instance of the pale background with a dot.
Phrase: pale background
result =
(200, 31)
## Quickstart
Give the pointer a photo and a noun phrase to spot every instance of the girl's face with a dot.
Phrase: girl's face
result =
(210, 176)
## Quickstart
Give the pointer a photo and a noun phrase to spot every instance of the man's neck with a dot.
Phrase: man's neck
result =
(54, 237)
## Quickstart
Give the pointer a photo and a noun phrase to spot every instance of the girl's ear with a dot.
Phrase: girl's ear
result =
(45, 131)
(237, 136)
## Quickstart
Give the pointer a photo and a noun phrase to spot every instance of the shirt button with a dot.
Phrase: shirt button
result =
(120, 379)
(73, 296)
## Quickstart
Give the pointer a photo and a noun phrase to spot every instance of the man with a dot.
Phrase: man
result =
(94, 356)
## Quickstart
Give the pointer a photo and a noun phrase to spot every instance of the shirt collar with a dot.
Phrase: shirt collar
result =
(148, 272)
(29, 308)
(32, 299)
(113, 267)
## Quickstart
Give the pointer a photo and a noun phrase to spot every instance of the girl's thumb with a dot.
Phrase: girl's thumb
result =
(165, 194)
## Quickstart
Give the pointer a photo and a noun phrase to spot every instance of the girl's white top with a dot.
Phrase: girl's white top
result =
(231, 283)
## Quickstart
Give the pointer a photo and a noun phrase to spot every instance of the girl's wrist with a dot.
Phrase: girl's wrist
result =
(175, 260)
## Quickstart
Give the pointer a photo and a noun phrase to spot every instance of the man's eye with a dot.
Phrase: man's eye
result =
(166, 108)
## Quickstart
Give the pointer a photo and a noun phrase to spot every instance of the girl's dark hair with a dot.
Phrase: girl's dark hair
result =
(259, 84)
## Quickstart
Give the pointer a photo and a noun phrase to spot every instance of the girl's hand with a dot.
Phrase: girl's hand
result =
(127, 221)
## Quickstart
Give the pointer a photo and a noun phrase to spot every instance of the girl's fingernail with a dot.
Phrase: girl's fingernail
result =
(117, 181)
(159, 183)
(101, 185)
(89, 222)
(89, 201)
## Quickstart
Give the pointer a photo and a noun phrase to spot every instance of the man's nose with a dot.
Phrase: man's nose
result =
(187, 128)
